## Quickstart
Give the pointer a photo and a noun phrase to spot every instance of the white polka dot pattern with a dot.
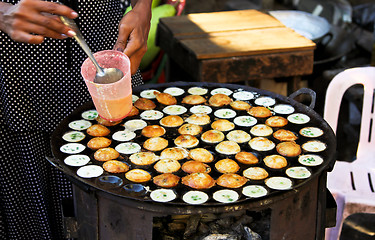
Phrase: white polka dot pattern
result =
(39, 86)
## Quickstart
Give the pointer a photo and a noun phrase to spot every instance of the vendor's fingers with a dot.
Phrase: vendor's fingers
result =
(123, 36)
(135, 61)
(135, 49)
(40, 30)
(53, 8)
(51, 23)
(21, 36)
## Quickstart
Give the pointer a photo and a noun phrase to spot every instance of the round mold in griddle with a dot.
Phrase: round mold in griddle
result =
(109, 181)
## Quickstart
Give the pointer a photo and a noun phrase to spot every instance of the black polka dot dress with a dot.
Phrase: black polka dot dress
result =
(39, 86)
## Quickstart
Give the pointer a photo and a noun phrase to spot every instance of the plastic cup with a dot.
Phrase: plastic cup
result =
(113, 101)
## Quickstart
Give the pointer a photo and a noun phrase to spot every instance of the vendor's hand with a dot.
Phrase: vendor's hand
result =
(133, 33)
(30, 21)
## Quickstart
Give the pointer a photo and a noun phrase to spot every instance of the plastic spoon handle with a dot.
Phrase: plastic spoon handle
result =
(81, 41)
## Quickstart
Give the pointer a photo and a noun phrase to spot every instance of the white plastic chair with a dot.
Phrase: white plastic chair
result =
(353, 183)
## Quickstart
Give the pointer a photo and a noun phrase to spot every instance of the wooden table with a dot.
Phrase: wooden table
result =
(234, 46)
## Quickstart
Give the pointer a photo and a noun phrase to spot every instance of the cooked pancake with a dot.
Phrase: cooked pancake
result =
(114, 166)
(275, 161)
(165, 98)
(225, 113)
(255, 173)
(311, 132)
(240, 105)
(175, 110)
(144, 104)
(197, 91)
(228, 148)
(288, 149)
(314, 146)
(135, 124)
(284, 135)
(186, 141)
(133, 112)
(153, 131)
(98, 130)
(151, 115)
(227, 166)
(155, 144)
(167, 166)
(199, 119)
(195, 167)
(201, 155)
(143, 158)
(246, 158)
(138, 175)
(171, 121)
(238, 136)
(260, 112)
(201, 109)
(193, 100)
(198, 181)
(189, 128)
(222, 125)
(166, 180)
(261, 130)
(219, 100)
(276, 121)
(106, 154)
(176, 153)
(261, 144)
(107, 123)
(99, 142)
(212, 136)
(265, 101)
(231, 180)
(174, 91)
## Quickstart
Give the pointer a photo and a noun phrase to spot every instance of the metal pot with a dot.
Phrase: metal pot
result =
(310, 26)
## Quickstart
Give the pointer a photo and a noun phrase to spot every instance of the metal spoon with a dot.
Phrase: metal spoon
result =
(103, 75)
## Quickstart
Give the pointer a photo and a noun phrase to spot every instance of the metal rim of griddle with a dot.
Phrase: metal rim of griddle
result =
(89, 185)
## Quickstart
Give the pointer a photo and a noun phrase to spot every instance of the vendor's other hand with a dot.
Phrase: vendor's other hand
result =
(133, 33)
(30, 21)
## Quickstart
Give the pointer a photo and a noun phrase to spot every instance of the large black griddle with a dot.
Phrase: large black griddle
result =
(123, 190)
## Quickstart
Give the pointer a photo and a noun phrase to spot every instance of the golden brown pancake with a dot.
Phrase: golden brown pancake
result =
(219, 100)
(201, 155)
(276, 121)
(98, 130)
(155, 144)
(153, 131)
(165, 98)
(288, 149)
(144, 104)
(260, 112)
(106, 154)
(227, 166)
(138, 175)
(114, 166)
(166, 180)
(195, 167)
(99, 142)
(246, 158)
(189, 128)
(193, 100)
(231, 180)
(198, 181)
(167, 166)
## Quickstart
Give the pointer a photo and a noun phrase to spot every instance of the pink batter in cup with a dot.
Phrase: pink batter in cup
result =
(113, 101)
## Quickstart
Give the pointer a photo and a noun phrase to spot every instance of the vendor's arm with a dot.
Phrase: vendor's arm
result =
(30, 21)
(133, 32)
